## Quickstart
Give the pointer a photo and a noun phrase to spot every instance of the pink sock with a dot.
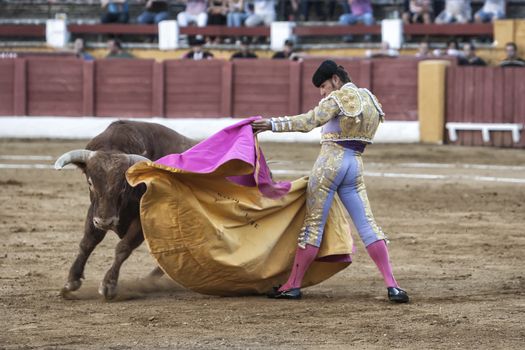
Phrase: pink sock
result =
(379, 253)
(303, 259)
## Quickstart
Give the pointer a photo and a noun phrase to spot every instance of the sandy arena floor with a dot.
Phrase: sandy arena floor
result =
(457, 242)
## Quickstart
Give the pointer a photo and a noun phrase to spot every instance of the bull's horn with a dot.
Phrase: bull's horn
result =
(75, 156)
(135, 158)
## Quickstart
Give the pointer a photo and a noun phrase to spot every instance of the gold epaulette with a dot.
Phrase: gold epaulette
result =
(348, 100)
(376, 103)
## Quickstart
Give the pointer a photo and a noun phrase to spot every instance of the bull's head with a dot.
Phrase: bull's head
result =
(108, 189)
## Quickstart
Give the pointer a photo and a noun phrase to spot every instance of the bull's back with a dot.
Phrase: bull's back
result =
(150, 140)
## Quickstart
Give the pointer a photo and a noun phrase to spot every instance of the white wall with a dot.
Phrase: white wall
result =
(88, 127)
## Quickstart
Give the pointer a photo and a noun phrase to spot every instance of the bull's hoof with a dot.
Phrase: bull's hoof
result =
(69, 287)
(108, 290)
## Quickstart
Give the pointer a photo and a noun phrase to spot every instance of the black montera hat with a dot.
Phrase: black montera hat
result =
(325, 71)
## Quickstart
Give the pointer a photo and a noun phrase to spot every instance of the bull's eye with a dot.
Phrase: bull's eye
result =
(90, 183)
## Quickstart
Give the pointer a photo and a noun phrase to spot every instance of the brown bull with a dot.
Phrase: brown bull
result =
(115, 204)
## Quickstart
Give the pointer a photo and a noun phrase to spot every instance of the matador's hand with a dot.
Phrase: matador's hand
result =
(261, 125)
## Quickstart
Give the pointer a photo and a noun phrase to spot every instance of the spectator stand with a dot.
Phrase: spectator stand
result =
(88, 12)
(315, 48)
(313, 37)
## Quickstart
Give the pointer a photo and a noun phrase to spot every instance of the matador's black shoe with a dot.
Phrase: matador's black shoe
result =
(397, 295)
(293, 294)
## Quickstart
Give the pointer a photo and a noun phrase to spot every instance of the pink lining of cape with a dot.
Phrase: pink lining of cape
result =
(235, 142)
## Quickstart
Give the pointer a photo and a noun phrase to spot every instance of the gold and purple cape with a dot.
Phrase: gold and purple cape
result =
(218, 224)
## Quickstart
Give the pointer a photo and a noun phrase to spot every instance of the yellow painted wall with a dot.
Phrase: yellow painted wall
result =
(503, 32)
(431, 100)
(491, 55)
(509, 30)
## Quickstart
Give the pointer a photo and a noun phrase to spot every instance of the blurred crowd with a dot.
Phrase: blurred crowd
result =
(251, 13)
(466, 54)
(236, 13)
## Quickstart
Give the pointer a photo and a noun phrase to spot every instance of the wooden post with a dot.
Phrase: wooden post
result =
(227, 87)
(157, 108)
(20, 87)
(88, 93)
(295, 90)
(431, 100)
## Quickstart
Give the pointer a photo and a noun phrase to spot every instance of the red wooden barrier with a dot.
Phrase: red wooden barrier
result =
(215, 88)
(262, 87)
(394, 82)
(54, 86)
(186, 88)
(7, 82)
(124, 88)
(486, 95)
(194, 88)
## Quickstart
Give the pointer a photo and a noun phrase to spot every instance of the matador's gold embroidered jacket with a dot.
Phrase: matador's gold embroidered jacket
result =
(350, 113)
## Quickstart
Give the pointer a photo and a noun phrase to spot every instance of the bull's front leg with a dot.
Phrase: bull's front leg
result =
(92, 237)
(131, 240)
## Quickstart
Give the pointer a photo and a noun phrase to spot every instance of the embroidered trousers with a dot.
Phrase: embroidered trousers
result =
(338, 169)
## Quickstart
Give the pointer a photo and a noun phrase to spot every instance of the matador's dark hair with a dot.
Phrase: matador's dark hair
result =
(343, 74)
(326, 70)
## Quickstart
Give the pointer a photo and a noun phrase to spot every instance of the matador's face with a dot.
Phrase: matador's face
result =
(330, 85)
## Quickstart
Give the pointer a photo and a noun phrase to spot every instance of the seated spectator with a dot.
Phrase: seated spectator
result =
(455, 11)
(491, 11)
(115, 11)
(115, 50)
(217, 10)
(78, 47)
(304, 9)
(288, 52)
(244, 51)
(453, 48)
(155, 11)
(469, 57)
(361, 11)
(512, 59)
(263, 13)
(418, 11)
(439, 6)
(197, 52)
(333, 4)
(195, 12)
(237, 13)
(288, 10)
(384, 51)
(424, 50)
